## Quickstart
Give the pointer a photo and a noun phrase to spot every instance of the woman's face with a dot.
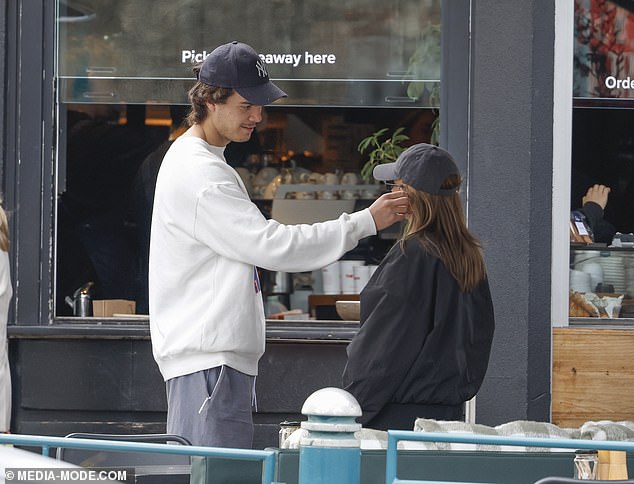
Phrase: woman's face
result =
(395, 186)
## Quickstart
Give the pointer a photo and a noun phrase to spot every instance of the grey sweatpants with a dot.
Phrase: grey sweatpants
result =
(212, 407)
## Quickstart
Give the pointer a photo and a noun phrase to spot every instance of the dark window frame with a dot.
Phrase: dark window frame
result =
(28, 176)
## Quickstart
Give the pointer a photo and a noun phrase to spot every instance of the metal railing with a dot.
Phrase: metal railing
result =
(394, 436)
(267, 457)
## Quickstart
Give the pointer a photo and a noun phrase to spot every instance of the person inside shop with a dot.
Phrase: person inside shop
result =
(427, 317)
(207, 240)
(143, 199)
(96, 241)
(593, 206)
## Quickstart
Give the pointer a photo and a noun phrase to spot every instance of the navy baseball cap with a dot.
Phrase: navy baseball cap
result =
(422, 166)
(237, 66)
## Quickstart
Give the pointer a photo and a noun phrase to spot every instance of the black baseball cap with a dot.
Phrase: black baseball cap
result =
(422, 166)
(237, 66)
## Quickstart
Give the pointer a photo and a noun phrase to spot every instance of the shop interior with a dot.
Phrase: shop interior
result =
(603, 152)
(602, 242)
(107, 166)
(602, 273)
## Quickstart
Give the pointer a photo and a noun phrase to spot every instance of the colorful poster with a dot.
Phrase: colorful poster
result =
(604, 49)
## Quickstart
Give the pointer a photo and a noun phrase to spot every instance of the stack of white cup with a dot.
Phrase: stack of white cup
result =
(361, 277)
(348, 285)
(331, 278)
(346, 276)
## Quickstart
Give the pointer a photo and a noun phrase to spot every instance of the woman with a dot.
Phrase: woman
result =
(426, 314)
(6, 291)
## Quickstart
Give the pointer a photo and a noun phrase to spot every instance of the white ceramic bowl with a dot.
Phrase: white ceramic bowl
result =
(349, 310)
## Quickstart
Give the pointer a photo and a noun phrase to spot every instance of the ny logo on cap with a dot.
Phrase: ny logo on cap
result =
(261, 67)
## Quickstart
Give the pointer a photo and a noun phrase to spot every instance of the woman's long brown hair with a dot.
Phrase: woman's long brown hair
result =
(439, 224)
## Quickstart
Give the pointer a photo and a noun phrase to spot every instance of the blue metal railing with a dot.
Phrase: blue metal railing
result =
(394, 436)
(267, 457)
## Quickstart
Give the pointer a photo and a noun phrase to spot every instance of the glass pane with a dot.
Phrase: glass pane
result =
(325, 52)
(124, 69)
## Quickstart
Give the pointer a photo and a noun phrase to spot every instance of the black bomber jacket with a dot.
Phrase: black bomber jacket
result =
(422, 339)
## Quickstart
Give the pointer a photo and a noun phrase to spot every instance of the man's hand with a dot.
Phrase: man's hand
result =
(389, 208)
(597, 194)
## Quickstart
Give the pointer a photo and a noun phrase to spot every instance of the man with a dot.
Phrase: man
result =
(206, 311)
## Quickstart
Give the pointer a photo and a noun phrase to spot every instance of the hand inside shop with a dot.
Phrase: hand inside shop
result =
(597, 194)
(389, 208)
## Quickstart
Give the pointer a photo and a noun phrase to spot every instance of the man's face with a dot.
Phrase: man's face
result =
(235, 120)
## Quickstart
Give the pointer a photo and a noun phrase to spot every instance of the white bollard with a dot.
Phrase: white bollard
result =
(330, 452)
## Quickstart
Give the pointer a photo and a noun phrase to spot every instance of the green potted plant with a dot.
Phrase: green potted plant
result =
(382, 149)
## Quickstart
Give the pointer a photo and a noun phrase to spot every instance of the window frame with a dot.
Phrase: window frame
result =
(28, 178)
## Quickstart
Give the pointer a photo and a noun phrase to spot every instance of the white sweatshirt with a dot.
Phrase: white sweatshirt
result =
(207, 237)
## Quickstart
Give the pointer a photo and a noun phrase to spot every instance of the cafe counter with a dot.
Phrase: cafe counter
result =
(310, 330)
(75, 376)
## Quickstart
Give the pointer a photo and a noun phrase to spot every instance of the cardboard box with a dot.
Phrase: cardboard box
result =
(108, 307)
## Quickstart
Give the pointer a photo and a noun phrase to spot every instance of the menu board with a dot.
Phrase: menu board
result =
(321, 52)
(604, 49)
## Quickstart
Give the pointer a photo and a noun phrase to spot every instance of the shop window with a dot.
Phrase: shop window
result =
(123, 73)
(602, 255)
